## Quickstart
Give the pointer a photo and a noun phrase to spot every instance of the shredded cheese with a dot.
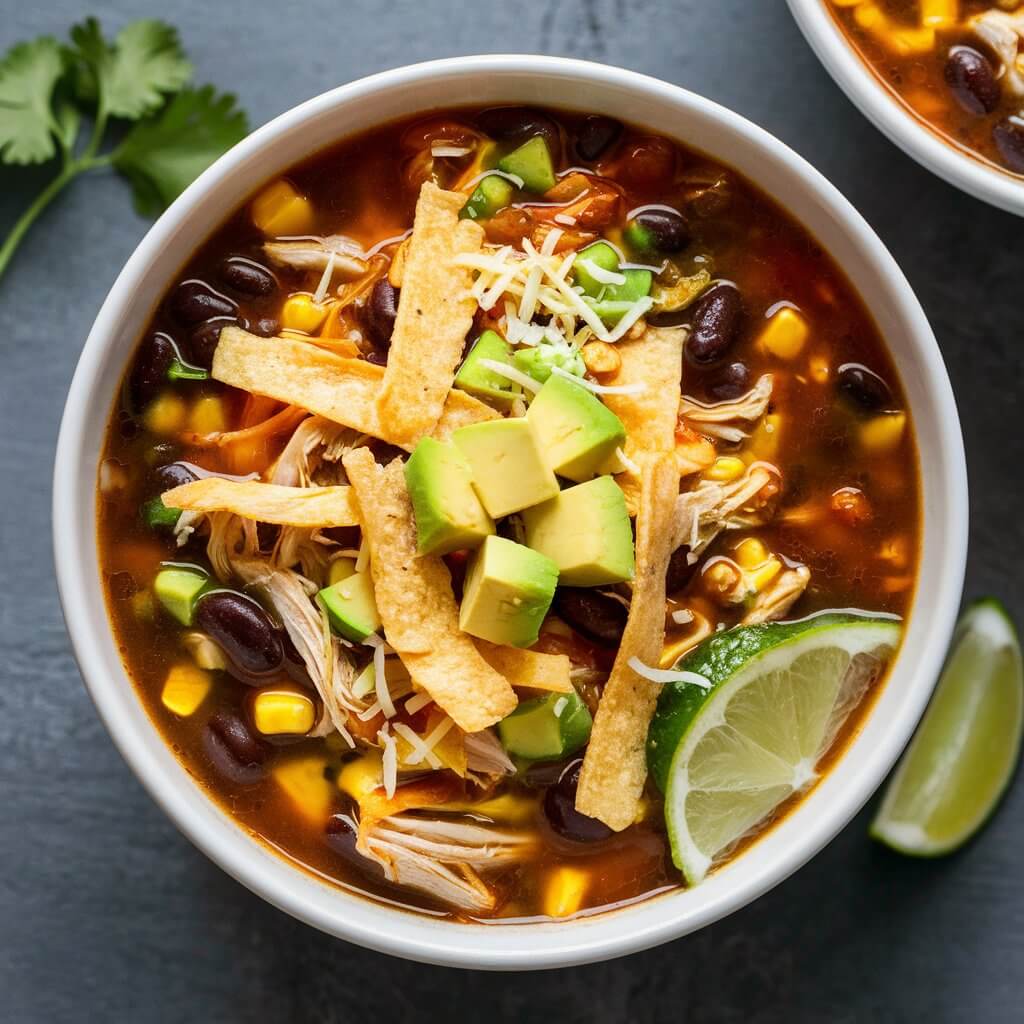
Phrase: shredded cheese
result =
(511, 373)
(325, 279)
(601, 275)
(389, 761)
(420, 751)
(564, 218)
(417, 702)
(681, 616)
(668, 675)
(443, 148)
(602, 389)
(380, 679)
(363, 558)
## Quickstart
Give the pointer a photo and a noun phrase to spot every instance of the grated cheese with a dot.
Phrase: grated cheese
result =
(681, 616)
(511, 373)
(564, 218)
(442, 148)
(417, 702)
(363, 558)
(602, 389)
(380, 679)
(474, 181)
(420, 751)
(627, 463)
(668, 675)
(325, 279)
(601, 275)
(389, 761)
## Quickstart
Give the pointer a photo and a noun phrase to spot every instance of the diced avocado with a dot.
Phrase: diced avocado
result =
(483, 382)
(531, 162)
(180, 370)
(539, 360)
(618, 299)
(156, 515)
(351, 607)
(507, 593)
(490, 195)
(585, 531)
(602, 256)
(548, 728)
(448, 512)
(178, 589)
(509, 471)
(577, 432)
(639, 238)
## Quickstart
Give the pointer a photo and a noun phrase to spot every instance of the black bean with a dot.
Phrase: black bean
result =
(658, 229)
(972, 80)
(149, 375)
(518, 124)
(205, 338)
(233, 749)
(680, 570)
(716, 322)
(380, 312)
(246, 276)
(729, 382)
(194, 301)
(595, 615)
(244, 631)
(174, 474)
(597, 135)
(266, 327)
(1009, 139)
(864, 386)
(560, 809)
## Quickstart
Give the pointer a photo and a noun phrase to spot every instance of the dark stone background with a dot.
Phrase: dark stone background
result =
(107, 913)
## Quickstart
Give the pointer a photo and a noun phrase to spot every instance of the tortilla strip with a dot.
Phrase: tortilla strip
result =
(339, 389)
(655, 359)
(615, 765)
(532, 670)
(309, 507)
(416, 604)
(435, 313)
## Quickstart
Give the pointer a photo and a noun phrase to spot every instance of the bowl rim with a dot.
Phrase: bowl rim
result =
(897, 121)
(372, 925)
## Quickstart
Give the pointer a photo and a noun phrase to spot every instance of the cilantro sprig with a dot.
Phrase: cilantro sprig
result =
(169, 133)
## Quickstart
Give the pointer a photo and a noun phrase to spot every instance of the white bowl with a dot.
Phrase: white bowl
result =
(894, 119)
(573, 84)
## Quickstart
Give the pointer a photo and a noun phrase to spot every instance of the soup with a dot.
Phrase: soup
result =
(958, 64)
(444, 468)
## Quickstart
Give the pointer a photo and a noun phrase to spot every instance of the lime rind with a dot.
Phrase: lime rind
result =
(751, 763)
(966, 750)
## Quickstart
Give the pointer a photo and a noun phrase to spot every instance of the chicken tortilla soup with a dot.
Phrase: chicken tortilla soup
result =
(509, 514)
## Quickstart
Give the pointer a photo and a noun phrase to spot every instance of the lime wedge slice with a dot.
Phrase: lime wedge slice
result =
(964, 754)
(726, 756)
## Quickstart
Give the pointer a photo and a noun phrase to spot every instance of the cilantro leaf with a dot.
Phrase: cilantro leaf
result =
(132, 76)
(29, 74)
(163, 154)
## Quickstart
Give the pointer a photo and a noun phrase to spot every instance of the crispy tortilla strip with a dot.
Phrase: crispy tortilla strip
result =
(615, 765)
(435, 313)
(309, 507)
(532, 670)
(655, 359)
(416, 603)
(339, 389)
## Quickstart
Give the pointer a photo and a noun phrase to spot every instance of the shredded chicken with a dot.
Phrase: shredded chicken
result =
(1004, 32)
(231, 537)
(329, 668)
(711, 507)
(315, 253)
(314, 442)
(720, 419)
(783, 593)
(486, 756)
(443, 856)
(308, 549)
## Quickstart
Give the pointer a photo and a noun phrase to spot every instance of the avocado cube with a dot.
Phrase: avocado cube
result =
(577, 432)
(178, 588)
(507, 593)
(490, 195)
(483, 382)
(600, 255)
(586, 532)
(449, 516)
(509, 471)
(618, 299)
(546, 729)
(531, 162)
(157, 516)
(538, 361)
(351, 607)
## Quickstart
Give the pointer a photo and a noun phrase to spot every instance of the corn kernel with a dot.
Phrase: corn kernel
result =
(601, 359)
(764, 441)
(564, 891)
(185, 688)
(751, 553)
(725, 468)
(894, 550)
(785, 334)
(142, 605)
(340, 569)
(283, 713)
(207, 416)
(869, 16)
(362, 775)
(908, 41)
(883, 433)
(301, 313)
(303, 780)
(721, 576)
(166, 415)
(759, 578)
(280, 210)
(820, 368)
(938, 13)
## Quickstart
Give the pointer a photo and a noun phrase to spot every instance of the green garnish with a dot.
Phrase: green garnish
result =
(142, 76)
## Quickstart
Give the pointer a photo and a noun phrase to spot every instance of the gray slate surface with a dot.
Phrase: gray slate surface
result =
(107, 913)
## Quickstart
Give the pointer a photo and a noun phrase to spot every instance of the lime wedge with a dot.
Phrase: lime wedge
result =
(964, 754)
(727, 755)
